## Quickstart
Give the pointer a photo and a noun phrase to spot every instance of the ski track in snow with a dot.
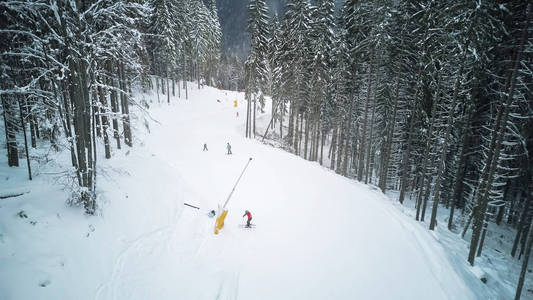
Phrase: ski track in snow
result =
(134, 248)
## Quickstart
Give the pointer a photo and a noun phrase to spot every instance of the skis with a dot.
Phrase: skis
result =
(252, 226)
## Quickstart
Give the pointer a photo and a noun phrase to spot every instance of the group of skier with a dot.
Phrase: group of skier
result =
(246, 213)
(228, 146)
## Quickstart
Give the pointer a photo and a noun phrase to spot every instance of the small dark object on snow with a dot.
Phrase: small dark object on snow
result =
(484, 279)
(22, 214)
(191, 205)
(205, 147)
(44, 283)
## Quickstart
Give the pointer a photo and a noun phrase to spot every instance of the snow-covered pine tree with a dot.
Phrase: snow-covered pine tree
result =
(68, 47)
(256, 69)
(214, 39)
(322, 39)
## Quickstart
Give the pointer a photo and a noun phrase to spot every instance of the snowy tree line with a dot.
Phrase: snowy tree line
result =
(428, 98)
(68, 69)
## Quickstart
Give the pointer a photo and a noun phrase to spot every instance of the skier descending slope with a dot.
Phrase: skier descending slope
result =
(229, 148)
(249, 215)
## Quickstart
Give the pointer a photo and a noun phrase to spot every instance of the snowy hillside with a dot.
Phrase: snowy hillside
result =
(335, 240)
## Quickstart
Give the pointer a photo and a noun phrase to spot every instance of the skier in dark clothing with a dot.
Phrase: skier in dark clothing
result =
(205, 147)
(249, 215)
(229, 148)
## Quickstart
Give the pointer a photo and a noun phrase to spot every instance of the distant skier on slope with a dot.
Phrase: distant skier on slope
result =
(229, 148)
(249, 215)
(205, 147)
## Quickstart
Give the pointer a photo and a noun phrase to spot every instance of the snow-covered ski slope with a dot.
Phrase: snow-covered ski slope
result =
(318, 235)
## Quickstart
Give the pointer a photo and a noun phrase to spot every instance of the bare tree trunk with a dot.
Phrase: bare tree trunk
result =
(281, 121)
(247, 96)
(333, 148)
(93, 165)
(522, 224)
(312, 137)
(298, 142)
(31, 119)
(114, 103)
(156, 90)
(186, 90)
(168, 90)
(274, 108)
(306, 138)
(105, 122)
(97, 116)
(527, 252)
(383, 174)
(290, 133)
(340, 145)
(23, 127)
(322, 141)
(198, 69)
(79, 92)
(67, 124)
(316, 139)
(370, 143)
(125, 107)
(11, 139)
(483, 234)
(296, 133)
(255, 109)
(348, 138)
(185, 85)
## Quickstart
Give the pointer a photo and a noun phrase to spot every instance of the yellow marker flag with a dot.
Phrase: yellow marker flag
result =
(235, 103)
(220, 221)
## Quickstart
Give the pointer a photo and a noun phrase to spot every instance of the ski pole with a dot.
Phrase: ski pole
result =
(225, 203)
(191, 205)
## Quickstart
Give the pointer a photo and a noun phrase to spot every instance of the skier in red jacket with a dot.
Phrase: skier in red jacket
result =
(249, 215)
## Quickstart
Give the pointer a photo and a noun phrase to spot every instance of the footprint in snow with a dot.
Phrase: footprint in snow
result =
(44, 283)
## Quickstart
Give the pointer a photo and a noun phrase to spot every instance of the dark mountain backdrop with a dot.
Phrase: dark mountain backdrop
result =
(233, 16)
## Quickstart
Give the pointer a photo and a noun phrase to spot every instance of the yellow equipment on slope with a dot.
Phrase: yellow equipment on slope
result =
(219, 223)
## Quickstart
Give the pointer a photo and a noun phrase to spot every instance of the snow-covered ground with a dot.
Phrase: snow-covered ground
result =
(318, 235)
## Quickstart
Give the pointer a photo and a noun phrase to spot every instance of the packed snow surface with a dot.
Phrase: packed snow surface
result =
(318, 235)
